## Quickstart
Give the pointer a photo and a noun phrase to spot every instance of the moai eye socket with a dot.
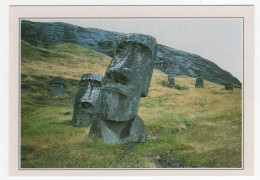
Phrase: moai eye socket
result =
(85, 104)
(119, 48)
(95, 83)
(120, 78)
(117, 77)
(84, 83)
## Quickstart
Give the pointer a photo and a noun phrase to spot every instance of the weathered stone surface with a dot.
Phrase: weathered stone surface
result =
(86, 98)
(196, 71)
(112, 132)
(57, 87)
(228, 86)
(199, 82)
(169, 60)
(171, 80)
(126, 80)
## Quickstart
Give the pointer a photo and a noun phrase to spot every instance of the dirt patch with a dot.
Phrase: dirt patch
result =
(166, 161)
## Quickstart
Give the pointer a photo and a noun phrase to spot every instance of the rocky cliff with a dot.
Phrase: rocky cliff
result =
(170, 60)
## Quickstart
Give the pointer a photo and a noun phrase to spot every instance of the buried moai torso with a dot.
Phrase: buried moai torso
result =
(199, 80)
(126, 80)
(57, 87)
(85, 101)
(228, 86)
(171, 80)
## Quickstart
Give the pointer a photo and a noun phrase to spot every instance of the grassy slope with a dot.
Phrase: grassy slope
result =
(202, 127)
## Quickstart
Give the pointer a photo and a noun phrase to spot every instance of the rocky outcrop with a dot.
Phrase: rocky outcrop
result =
(54, 33)
(178, 62)
(169, 60)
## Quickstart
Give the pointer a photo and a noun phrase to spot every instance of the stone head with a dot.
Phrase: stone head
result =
(199, 83)
(171, 80)
(228, 86)
(127, 78)
(86, 98)
(170, 77)
(57, 86)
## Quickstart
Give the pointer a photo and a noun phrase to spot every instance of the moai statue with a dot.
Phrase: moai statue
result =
(86, 98)
(199, 83)
(228, 86)
(171, 80)
(199, 80)
(126, 80)
(57, 87)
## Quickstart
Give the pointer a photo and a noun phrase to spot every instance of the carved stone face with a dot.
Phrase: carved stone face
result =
(57, 87)
(86, 98)
(127, 78)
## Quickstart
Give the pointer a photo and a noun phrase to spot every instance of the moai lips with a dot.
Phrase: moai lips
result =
(126, 80)
(57, 87)
(86, 99)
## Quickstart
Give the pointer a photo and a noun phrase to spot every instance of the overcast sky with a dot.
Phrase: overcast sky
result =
(219, 40)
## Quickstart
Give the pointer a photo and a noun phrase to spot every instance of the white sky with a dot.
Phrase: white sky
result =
(219, 40)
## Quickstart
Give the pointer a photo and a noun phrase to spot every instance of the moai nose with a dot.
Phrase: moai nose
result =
(86, 101)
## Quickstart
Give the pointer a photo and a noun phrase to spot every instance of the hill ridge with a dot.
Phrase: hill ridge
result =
(170, 60)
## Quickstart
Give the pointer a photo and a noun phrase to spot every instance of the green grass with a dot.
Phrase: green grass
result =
(202, 127)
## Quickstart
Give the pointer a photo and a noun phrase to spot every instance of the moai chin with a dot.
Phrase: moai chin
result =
(171, 80)
(126, 80)
(57, 87)
(86, 98)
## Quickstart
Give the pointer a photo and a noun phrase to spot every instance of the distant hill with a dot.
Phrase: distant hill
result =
(170, 60)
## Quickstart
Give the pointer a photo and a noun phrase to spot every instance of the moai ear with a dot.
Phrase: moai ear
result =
(146, 83)
(148, 76)
(115, 48)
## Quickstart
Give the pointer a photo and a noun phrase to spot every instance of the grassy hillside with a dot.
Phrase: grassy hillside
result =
(186, 127)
